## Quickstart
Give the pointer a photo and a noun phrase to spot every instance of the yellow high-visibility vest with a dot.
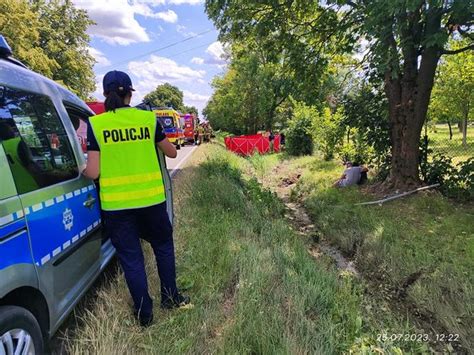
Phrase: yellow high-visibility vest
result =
(24, 179)
(130, 175)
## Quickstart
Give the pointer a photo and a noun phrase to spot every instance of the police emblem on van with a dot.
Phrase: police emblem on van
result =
(68, 219)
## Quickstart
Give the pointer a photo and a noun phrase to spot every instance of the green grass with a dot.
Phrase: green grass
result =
(255, 287)
(440, 143)
(426, 234)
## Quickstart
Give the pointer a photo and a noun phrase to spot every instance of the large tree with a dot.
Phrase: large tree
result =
(405, 41)
(63, 37)
(20, 25)
(50, 37)
(166, 95)
(247, 96)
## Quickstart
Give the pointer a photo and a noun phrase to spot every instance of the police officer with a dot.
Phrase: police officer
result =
(122, 153)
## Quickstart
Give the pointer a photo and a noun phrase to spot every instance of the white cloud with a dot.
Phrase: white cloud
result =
(182, 29)
(189, 2)
(190, 97)
(152, 2)
(167, 16)
(115, 20)
(158, 70)
(193, 99)
(98, 94)
(197, 60)
(163, 69)
(101, 59)
(114, 24)
(217, 54)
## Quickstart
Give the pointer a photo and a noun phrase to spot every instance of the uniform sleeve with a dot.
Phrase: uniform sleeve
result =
(159, 134)
(92, 144)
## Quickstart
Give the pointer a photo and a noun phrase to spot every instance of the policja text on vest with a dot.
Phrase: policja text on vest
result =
(126, 134)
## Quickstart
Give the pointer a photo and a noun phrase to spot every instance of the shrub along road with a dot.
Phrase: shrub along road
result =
(255, 285)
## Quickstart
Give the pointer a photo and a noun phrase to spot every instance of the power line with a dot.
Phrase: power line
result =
(191, 49)
(174, 55)
(160, 49)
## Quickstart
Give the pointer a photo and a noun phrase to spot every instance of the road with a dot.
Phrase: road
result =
(183, 154)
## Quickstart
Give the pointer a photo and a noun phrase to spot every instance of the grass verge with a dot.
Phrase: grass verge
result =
(255, 287)
(416, 253)
(441, 144)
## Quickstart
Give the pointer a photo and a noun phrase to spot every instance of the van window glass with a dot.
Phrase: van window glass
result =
(79, 118)
(35, 141)
(166, 121)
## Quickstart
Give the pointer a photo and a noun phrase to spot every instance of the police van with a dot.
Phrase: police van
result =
(52, 243)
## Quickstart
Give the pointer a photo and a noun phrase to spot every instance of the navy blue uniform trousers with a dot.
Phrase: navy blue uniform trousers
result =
(125, 228)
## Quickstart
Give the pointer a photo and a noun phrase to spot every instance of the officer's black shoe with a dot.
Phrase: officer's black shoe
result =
(145, 321)
(178, 301)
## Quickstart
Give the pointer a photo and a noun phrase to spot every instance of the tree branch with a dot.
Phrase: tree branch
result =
(352, 4)
(466, 34)
(456, 51)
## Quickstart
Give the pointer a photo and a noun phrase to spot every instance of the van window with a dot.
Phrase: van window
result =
(79, 118)
(35, 141)
(166, 121)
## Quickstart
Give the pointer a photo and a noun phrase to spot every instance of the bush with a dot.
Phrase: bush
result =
(357, 149)
(299, 138)
(328, 132)
(456, 181)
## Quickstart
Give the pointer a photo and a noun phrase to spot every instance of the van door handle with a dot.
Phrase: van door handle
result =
(89, 202)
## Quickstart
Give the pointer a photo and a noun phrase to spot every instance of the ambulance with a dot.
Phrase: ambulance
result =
(52, 241)
(172, 125)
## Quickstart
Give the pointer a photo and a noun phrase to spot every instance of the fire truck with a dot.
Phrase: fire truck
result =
(190, 123)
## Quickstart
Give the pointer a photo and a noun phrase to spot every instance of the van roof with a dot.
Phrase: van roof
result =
(18, 76)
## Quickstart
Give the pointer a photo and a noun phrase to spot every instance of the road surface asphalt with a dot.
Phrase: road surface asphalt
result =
(184, 154)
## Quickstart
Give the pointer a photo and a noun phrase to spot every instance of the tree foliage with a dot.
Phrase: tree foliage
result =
(453, 92)
(190, 109)
(299, 135)
(366, 119)
(247, 97)
(285, 32)
(166, 95)
(328, 131)
(406, 40)
(50, 37)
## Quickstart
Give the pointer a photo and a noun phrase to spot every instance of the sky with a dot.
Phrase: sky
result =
(129, 36)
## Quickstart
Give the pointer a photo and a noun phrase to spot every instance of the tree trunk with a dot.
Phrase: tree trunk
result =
(408, 98)
(450, 130)
(464, 131)
(405, 137)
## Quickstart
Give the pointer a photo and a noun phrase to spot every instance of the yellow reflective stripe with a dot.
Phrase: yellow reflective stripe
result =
(129, 179)
(132, 195)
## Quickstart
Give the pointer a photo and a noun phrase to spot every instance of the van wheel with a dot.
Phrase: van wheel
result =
(20, 332)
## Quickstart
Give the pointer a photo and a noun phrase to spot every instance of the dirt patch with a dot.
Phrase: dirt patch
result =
(291, 180)
(285, 181)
